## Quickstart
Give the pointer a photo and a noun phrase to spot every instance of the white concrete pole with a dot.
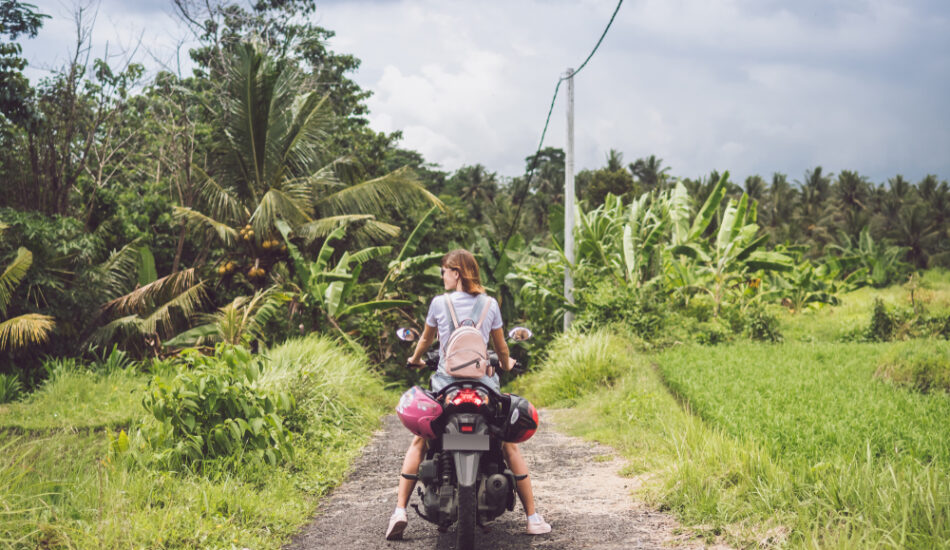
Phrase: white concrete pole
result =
(569, 199)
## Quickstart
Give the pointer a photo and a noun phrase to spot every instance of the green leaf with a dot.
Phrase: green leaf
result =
(146, 264)
(374, 305)
(412, 242)
(709, 208)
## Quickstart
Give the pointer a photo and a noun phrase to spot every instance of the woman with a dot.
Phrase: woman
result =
(461, 278)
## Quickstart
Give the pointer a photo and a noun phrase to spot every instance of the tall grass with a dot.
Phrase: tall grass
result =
(65, 488)
(869, 464)
(79, 400)
(576, 365)
(791, 445)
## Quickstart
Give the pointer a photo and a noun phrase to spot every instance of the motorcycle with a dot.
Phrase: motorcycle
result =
(464, 477)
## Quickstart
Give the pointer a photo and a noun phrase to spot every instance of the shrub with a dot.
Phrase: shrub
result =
(214, 409)
(883, 324)
(921, 366)
(10, 388)
(713, 332)
(640, 310)
(762, 325)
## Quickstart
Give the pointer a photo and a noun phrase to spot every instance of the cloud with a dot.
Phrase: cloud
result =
(752, 86)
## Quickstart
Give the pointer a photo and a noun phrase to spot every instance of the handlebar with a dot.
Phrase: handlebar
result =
(432, 361)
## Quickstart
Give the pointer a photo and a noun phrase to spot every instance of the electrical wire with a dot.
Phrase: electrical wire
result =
(547, 121)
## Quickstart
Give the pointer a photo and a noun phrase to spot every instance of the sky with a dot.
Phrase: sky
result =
(749, 86)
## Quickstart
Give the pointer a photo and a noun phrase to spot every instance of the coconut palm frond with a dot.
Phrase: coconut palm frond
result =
(399, 188)
(25, 330)
(144, 298)
(318, 229)
(309, 128)
(251, 79)
(325, 177)
(270, 306)
(225, 232)
(12, 276)
(276, 205)
(123, 326)
(120, 270)
(185, 302)
(221, 203)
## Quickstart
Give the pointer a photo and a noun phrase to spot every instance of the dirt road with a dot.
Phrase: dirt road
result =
(576, 484)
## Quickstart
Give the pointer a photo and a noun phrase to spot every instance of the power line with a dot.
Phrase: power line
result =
(547, 121)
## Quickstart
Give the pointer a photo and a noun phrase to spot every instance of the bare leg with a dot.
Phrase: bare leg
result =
(410, 465)
(520, 467)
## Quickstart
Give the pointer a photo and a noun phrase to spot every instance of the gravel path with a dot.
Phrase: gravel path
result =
(576, 485)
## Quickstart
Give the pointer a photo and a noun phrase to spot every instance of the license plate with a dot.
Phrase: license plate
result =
(465, 442)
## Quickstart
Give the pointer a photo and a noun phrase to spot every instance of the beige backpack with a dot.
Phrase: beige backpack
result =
(466, 354)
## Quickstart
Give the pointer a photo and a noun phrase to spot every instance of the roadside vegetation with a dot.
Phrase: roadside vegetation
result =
(201, 276)
(830, 439)
(78, 472)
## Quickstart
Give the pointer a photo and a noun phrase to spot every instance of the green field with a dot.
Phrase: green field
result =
(796, 444)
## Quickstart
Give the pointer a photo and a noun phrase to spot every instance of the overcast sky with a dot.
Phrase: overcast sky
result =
(750, 86)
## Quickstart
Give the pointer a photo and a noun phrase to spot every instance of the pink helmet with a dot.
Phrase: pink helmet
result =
(418, 410)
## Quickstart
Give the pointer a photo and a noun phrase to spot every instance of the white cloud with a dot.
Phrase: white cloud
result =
(752, 86)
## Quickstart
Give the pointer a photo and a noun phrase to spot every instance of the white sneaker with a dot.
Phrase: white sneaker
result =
(538, 527)
(397, 524)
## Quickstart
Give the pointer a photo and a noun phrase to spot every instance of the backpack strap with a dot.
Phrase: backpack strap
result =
(479, 310)
(481, 301)
(448, 304)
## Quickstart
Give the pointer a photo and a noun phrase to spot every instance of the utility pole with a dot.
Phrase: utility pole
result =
(569, 200)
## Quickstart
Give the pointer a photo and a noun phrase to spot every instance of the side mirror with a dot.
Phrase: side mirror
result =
(407, 334)
(519, 334)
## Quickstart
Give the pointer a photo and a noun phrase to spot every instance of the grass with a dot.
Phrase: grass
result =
(842, 322)
(79, 400)
(921, 366)
(66, 489)
(577, 364)
(792, 445)
(869, 464)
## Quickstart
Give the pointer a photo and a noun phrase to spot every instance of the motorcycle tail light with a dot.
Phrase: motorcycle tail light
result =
(469, 396)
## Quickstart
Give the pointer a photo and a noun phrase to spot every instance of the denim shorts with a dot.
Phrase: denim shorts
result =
(440, 380)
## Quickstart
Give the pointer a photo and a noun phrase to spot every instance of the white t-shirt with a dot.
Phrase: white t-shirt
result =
(463, 302)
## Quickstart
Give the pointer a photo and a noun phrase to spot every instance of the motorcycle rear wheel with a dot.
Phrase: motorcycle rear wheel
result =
(466, 521)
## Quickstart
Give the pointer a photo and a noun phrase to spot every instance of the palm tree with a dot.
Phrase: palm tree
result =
(270, 165)
(649, 171)
(851, 193)
(477, 188)
(614, 160)
(27, 329)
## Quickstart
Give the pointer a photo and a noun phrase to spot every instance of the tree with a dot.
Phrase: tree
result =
(851, 192)
(16, 18)
(270, 166)
(650, 172)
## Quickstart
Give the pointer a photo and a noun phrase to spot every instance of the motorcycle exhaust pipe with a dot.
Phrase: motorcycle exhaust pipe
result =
(496, 488)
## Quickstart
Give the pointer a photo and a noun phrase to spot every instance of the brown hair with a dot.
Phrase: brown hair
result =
(464, 262)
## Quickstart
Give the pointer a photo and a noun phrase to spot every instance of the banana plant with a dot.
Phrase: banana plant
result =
(628, 241)
(728, 258)
(405, 263)
(328, 287)
(873, 263)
